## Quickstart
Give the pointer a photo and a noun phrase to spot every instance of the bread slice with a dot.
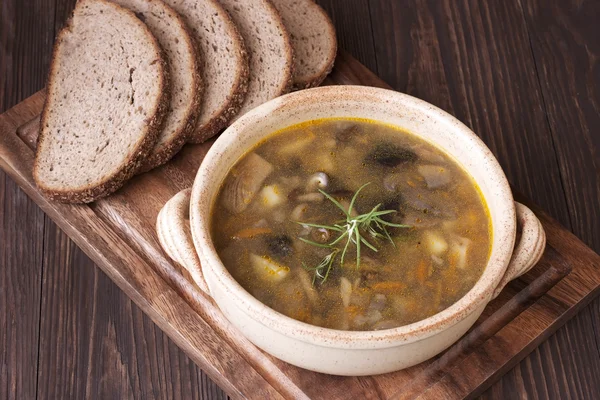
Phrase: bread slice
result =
(107, 95)
(313, 40)
(224, 63)
(269, 46)
(186, 82)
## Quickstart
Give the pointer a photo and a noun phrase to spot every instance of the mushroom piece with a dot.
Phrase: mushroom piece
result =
(299, 212)
(435, 176)
(419, 199)
(318, 180)
(311, 197)
(320, 235)
(280, 245)
(346, 204)
(244, 182)
(268, 269)
(370, 318)
(458, 251)
(345, 291)
(395, 182)
(306, 283)
(345, 131)
(429, 155)
(390, 155)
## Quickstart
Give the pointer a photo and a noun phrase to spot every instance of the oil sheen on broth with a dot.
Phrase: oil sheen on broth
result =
(262, 225)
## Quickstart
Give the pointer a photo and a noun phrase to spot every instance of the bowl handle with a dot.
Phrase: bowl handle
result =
(174, 235)
(528, 250)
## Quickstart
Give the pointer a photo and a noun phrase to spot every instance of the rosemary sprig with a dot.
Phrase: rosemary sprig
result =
(322, 270)
(352, 230)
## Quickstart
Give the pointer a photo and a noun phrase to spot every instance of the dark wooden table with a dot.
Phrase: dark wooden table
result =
(524, 74)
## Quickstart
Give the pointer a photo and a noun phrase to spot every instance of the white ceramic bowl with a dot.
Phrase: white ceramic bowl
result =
(348, 352)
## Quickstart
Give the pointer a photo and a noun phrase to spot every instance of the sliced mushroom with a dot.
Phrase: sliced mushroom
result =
(397, 181)
(426, 154)
(346, 204)
(311, 197)
(345, 131)
(435, 176)
(245, 180)
(420, 199)
(345, 291)
(370, 318)
(306, 283)
(268, 269)
(390, 155)
(299, 212)
(458, 251)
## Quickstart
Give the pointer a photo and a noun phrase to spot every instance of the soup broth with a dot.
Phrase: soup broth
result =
(351, 224)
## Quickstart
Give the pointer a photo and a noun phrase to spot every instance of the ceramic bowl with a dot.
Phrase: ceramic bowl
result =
(350, 352)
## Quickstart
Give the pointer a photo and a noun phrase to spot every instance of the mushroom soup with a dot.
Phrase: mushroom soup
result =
(351, 224)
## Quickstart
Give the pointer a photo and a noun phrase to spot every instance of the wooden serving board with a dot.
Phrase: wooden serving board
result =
(118, 234)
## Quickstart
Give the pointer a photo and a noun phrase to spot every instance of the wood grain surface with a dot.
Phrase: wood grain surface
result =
(523, 74)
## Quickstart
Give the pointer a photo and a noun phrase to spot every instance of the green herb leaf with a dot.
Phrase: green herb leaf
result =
(352, 230)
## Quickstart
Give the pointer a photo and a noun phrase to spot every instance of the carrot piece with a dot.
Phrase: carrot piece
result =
(388, 286)
(452, 263)
(249, 233)
(421, 272)
(352, 309)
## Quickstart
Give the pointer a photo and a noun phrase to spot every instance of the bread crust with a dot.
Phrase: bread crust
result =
(156, 159)
(238, 99)
(289, 50)
(318, 78)
(112, 183)
(230, 109)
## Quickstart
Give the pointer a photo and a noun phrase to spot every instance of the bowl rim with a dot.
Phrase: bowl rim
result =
(478, 295)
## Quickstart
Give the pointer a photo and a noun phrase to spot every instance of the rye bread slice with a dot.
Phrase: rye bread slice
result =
(224, 63)
(313, 39)
(184, 68)
(107, 96)
(269, 47)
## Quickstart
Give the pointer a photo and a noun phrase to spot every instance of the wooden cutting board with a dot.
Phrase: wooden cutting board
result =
(118, 234)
